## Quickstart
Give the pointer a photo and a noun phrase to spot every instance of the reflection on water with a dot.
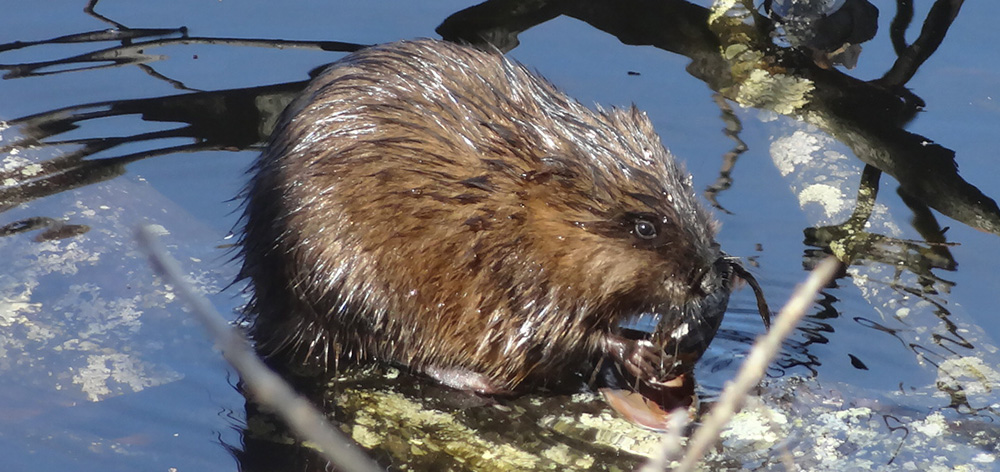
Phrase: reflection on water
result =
(89, 332)
(780, 59)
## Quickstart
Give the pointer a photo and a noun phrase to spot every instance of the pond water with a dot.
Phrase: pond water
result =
(152, 112)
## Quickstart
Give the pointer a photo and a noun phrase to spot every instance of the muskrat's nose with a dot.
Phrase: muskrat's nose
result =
(709, 282)
(711, 278)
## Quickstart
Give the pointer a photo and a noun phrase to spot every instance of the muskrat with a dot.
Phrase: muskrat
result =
(441, 207)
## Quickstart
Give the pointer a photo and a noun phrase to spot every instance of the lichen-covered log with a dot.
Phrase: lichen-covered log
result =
(411, 423)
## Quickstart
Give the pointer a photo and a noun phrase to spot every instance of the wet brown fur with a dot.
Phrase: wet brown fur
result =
(441, 207)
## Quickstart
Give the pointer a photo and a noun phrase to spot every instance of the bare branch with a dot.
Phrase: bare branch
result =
(753, 368)
(671, 444)
(267, 387)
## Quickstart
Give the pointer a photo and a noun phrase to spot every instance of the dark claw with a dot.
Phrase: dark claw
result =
(640, 357)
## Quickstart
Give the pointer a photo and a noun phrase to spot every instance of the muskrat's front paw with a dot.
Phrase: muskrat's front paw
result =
(639, 357)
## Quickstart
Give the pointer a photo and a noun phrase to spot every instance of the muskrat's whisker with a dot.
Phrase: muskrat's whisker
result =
(743, 273)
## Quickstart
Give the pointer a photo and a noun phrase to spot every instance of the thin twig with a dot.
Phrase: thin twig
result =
(670, 444)
(267, 388)
(753, 368)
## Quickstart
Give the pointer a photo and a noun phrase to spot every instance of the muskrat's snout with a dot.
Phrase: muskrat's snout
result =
(682, 333)
(687, 333)
(710, 279)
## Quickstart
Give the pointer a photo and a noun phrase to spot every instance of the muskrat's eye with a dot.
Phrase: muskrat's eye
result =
(645, 229)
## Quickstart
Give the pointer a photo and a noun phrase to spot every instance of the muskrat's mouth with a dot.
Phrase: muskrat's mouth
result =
(651, 407)
(682, 334)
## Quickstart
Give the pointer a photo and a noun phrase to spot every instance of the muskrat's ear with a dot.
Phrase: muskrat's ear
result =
(574, 168)
(561, 167)
(562, 170)
(506, 133)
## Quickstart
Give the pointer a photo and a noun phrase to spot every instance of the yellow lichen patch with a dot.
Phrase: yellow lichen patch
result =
(607, 430)
(561, 454)
(428, 432)
(970, 374)
(757, 425)
(364, 436)
(778, 92)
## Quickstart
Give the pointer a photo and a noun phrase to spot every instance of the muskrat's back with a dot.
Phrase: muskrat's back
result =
(441, 207)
